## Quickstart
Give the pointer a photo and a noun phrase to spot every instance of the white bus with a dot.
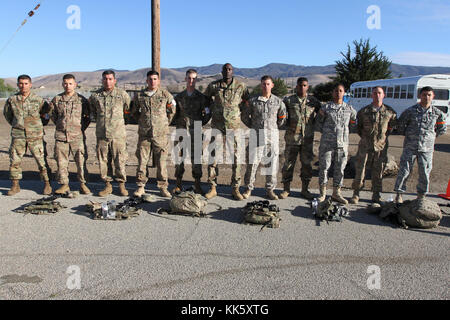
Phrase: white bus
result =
(403, 93)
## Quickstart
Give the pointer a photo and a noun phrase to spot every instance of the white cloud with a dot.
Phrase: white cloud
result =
(429, 59)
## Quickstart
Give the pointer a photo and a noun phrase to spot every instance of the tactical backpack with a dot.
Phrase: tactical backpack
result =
(329, 211)
(186, 203)
(111, 211)
(44, 206)
(262, 212)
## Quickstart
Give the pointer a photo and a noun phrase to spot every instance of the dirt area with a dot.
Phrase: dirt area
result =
(439, 176)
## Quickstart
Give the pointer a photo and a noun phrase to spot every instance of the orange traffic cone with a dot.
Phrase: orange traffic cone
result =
(446, 196)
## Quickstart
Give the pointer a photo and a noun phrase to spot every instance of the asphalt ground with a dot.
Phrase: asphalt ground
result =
(70, 256)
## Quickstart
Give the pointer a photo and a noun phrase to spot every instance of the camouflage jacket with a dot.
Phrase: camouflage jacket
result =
(70, 115)
(108, 109)
(191, 108)
(228, 101)
(154, 112)
(302, 113)
(374, 125)
(335, 121)
(26, 116)
(421, 127)
(264, 114)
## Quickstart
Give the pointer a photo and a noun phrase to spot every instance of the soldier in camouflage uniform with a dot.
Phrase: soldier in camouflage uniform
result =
(265, 114)
(109, 106)
(154, 109)
(230, 95)
(299, 137)
(420, 124)
(336, 119)
(24, 112)
(70, 113)
(192, 106)
(374, 124)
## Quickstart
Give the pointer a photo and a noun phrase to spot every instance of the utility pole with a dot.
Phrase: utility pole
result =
(156, 37)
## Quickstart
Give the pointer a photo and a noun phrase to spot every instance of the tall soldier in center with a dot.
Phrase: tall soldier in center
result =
(302, 110)
(108, 106)
(230, 95)
(154, 109)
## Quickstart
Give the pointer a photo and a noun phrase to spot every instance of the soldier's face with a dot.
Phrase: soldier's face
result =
(227, 71)
(377, 96)
(69, 85)
(191, 80)
(266, 87)
(24, 86)
(109, 82)
(426, 97)
(153, 82)
(338, 93)
(302, 88)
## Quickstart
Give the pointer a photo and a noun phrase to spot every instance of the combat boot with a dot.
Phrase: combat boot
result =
(63, 189)
(420, 196)
(47, 189)
(399, 198)
(164, 192)
(179, 186)
(198, 187)
(212, 193)
(323, 193)
(271, 195)
(376, 197)
(355, 198)
(305, 192)
(337, 196)
(15, 188)
(286, 192)
(237, 194)
(107, 191)
(247, 193)
(84, 189)
(139, 192)
(122, 190)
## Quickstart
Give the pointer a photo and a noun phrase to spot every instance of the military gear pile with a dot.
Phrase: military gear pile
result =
(418, 213)
(44, 206)
(329, 211)
(110, 211)
(186, 203)
(262, 212)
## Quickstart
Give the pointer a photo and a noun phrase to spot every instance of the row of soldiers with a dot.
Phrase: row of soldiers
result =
(226, 102)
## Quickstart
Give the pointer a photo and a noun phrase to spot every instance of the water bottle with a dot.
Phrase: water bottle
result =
(314, 205)
(105, 210)
(391, 198)
(111, 209)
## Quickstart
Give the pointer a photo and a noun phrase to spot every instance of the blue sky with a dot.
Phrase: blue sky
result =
(247, 33)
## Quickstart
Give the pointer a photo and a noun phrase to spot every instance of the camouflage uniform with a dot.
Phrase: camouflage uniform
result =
(71, 117)
(108, 109)
(191, 108)
(335, 124)
(299, 136)
(265, 116)
(154, 112)
(226, 115)
(373, 126)
(420, 127)
(25, 117)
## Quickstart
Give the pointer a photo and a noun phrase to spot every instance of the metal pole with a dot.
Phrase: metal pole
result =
(156, 36)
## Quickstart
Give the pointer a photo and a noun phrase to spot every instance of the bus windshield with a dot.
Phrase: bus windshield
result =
(439, 94)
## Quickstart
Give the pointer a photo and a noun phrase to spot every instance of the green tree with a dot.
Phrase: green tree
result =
(323, 91)
(280, 88)
(366, 64)
(5, 90)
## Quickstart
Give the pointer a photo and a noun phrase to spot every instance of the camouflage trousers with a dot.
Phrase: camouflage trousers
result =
(326, 156)
(424, 163)
(196, 167)
(269, 163)
(62, 153)
(213, 169)
(375, 161)
(159, 151)
(306, 157)
(18, 149)
(118, 149)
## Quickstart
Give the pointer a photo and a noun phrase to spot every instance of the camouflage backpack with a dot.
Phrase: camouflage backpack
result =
(329, 211)
(42, 206)
(110, 211)
(186, 203)
(262, 212)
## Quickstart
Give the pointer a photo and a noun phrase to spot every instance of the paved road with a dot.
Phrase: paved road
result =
(150, 257)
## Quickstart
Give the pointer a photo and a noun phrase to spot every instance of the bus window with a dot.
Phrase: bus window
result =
(359, 93)
(396, 92)
(384, 90)
(369, 92)
(403, 91)
(411, 91)
(439, 94)
(364, 93)
(390, 92)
